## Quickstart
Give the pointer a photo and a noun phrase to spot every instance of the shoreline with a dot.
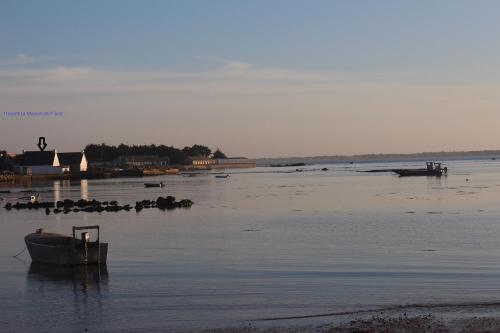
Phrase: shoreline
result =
(466, 318)
(428, 323)
(108, 174)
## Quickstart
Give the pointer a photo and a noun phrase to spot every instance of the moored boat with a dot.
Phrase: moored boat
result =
(62, 250)
(160, 184)
(31, 198)
(433, 169)
(222, 176)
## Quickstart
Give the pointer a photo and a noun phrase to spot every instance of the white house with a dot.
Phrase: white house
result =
(39, 163)
(73, 162)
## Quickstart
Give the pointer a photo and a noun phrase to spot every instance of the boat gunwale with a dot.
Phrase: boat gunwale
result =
(62, 246)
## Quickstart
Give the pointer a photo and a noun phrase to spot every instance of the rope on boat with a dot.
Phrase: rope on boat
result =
(20, 252)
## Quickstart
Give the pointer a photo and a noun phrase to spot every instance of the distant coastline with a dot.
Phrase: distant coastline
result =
(380, 158)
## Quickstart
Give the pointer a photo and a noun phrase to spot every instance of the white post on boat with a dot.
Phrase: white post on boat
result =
(85, 239)
(98, 242)
(98, 248)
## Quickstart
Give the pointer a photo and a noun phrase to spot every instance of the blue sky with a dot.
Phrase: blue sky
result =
(338, 35)
(376, 59)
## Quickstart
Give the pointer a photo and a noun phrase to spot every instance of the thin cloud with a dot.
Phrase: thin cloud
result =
(20, 59)
(230, 78)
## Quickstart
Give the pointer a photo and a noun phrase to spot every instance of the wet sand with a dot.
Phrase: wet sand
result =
(384, 324)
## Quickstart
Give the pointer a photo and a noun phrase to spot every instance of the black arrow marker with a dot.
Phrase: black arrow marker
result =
(41, 143)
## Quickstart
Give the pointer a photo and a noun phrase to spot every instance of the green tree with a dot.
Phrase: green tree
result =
(219, 154)
(197, 150)
(104, 153)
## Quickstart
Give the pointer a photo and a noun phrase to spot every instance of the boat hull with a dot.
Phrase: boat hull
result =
(64, 251)
(418, 172)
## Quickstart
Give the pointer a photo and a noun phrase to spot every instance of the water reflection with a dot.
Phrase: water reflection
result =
(85, 278)
(78, 291)
(62, 189)
(84, 189)
(57, 190)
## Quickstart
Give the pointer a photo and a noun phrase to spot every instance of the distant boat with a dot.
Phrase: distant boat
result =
(32, 198)
(222, 176)
(61, 250)
(160, 184)
(433, 169)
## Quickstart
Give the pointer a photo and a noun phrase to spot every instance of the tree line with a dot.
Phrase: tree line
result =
(106, 153)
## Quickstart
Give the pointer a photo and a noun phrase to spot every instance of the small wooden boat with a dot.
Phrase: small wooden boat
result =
(433, 169)
(31, 198)
(222, 176)
(160, 184)
(62, 250)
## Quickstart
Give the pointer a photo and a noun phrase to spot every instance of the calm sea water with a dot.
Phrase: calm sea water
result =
(261, 244)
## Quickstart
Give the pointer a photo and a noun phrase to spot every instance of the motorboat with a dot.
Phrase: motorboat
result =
(160, 184)
(433, 169)
(31, 198)
(63, 250)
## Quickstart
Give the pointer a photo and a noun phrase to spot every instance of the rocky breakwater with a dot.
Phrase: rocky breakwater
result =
(168, 202)
(90, 206)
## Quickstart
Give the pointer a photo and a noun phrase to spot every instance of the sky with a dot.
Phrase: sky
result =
(254, 78)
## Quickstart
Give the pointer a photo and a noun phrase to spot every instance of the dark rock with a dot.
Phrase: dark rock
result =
(47, 211)
(82, 203)
(94, 202)
(68, 203)
(185, 203)
(166, 203)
